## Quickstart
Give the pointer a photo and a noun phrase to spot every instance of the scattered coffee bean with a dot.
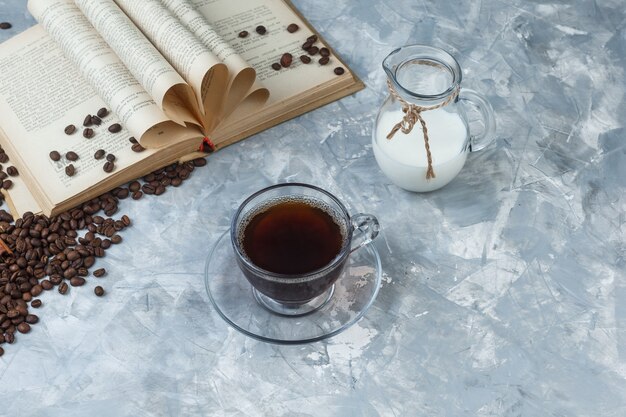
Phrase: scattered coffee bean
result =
(36, 303)
(95, 120)
(99, 291)
(306, 45)
(31, 319)
(261, 30)
(324, 52)
(69, 129)
(110, 157)
(63, 287)
(115, 127)
(70, 170)
(137, 195)
(87, 121)
(12, 171)
(324, 60)
(339, 71)
(71, 156)
(7, 184)
(55, 156)
(243, 34)
(199, 162)
(108, 166)
(100, 272)
(88, 133)
(292, 28)
(276, 66)
(313, 50)
(286, 59)
(312, 39)
(5, 25)
(305, 59)
(77, 281)
(23, 327)
(134, 186)
(99, 154)
(103, 112)
(132, 139)
(137, 148)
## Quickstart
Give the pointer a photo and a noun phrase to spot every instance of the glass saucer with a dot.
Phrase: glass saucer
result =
(233, 297)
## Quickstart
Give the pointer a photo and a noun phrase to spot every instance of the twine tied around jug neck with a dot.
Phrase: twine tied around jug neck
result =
(413, 114)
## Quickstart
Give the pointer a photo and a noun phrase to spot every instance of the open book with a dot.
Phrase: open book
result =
(169, 72)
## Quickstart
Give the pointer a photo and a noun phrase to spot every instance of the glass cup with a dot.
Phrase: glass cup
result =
(296, 294)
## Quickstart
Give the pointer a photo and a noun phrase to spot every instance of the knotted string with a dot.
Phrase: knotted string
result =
(413, 114)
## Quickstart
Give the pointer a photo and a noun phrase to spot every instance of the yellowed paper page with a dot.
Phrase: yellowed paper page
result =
(169, 90)
(241, 75)
(228, 18)
(202, 70)
(41, 93)
(98, 64)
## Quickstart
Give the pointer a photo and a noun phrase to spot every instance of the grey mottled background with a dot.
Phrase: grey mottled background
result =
(504, 293)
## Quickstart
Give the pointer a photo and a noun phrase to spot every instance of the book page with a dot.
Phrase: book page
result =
(228, 18)
(41, 93)
(241, 75)
(169, 90)
(98, 64)
(203, 71)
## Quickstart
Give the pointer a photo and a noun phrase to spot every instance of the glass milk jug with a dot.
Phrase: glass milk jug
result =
(421, 137)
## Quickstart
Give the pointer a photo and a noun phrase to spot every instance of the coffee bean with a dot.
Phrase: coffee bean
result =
(243, 34)
(312, 39)
(286, 60)
(71, 156)
(31, 319)
(261, 30)
(70, 273)
(137, 148)
(12, 171)
(100, 272)
(324, 52)
(47, 285)
(199, 162)
(23, 327)
(55, 156)
(134, 186)
(110, 157)
(36, 303)
(276, 66)
(137, 195)
(5, 25)
(116, 239)
(96, 120)
(63, 288)
(108, 166)
(77, 281)
(132, 139)
(324, 60)
(36, 290)
(313, 50)
(148, 189)
(292, 28)
(99, 154)
(89, 261)
(88, 133)
(123, 194)
(87, 121)
(103, 112)
(69, 129)
(70, 170)
(339, 71)
(99, 291)
(1, 350)
(7, 184)
(115, 127)
(306, 45)
(9, 337)
(305, 59)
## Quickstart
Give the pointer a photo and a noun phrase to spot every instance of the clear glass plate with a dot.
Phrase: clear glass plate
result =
(232, 296)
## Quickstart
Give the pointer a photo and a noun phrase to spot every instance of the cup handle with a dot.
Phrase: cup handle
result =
(478, 142)
(365, 229)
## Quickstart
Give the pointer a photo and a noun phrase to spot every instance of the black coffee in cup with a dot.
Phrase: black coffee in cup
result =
(292, 235)
(293, 238)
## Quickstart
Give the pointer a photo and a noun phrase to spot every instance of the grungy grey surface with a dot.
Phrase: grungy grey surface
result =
(504, 293)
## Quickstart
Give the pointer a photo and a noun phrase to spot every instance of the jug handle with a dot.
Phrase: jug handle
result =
(478, 142)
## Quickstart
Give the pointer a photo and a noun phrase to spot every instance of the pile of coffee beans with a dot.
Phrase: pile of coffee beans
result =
(39, 253)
